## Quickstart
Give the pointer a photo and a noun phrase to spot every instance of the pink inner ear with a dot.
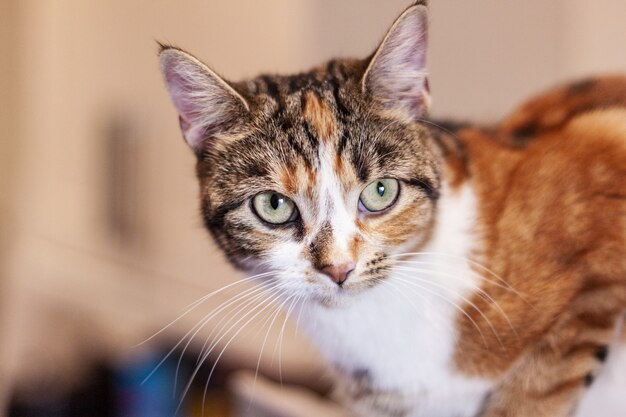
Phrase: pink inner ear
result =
(397, 77)
(184, 91)
(189, 110)
(206, 104)
(190, 89)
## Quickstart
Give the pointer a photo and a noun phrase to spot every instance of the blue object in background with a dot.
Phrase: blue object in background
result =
(156, 397)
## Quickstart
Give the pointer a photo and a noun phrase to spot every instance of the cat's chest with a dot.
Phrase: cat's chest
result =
(394, 340)
(400, 336)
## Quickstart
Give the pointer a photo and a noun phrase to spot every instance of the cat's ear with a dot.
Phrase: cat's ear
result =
(396, 75)
(207, 105)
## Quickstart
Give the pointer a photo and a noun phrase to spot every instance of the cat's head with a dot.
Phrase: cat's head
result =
(319, 176)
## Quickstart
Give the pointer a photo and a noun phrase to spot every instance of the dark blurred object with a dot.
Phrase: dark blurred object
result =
(121, 163)
(140, 386)
(94, 398)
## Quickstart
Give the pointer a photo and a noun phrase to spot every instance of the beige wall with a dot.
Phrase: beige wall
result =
(87, 65)
(8, 102)
(8, 127)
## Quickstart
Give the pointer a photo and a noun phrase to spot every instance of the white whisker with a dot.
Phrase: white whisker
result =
(280, 340)
(278, 292)
(443, 287)
(197, 327)
(436, 294)
(479, 290)
(256, 293)
(193, 305)
(470, 261)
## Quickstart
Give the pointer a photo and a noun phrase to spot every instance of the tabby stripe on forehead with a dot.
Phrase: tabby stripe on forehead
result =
(256, 169)
(298, 82)
(271, 87)
(359, 161)
(341, 108)
(318, 117)
(343, 141)
(310, 135)
(295, 145)
(336, 70)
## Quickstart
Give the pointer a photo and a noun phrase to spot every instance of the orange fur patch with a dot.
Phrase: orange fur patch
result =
(320, 117)
(553, 222)
(355, 246)
(289, 181)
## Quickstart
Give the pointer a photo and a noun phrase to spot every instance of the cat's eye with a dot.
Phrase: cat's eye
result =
(274, 207)
(379, 195)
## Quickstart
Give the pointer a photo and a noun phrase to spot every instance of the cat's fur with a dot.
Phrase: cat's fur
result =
(515, 235)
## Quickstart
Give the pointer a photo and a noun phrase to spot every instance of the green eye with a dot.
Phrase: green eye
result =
(273, 207)
(379, 195)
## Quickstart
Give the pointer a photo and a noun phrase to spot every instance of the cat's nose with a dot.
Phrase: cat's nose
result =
(339, 272)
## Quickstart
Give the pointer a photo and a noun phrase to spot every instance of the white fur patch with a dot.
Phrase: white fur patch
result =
(404, 336)
(332, 207)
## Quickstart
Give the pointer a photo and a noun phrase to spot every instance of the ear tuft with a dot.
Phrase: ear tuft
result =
(396, 76)
(208, 106)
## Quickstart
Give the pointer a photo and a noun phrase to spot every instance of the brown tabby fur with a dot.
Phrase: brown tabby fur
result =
(550, 182)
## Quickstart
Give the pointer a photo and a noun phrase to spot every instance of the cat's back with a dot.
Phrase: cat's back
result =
(563, 150)
(571, 142)
(550, 187)
(555, 108)
(554, 171)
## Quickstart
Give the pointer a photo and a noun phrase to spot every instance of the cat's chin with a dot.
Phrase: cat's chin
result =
(341, 296)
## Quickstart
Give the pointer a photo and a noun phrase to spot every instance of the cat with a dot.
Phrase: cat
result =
(444, 269)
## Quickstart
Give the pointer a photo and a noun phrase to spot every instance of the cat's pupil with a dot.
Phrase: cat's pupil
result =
(380, 188)
(275, 201)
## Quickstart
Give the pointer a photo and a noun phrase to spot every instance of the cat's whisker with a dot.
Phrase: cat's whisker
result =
(260, 290)
(391, 285)
(278, 343)
(250, 292)
(458, 267)
(268, 294)
(271, 298)
(190, 307)
(205, 320)
(413, 290)
(483, 294)
(273, 317)
(408, 280)
(208, 352)
(224, 321)
(265, 339)
(301, 307)
(471, 262)
(431, 123)
(466, 300)
(280, 338)
(197, 325)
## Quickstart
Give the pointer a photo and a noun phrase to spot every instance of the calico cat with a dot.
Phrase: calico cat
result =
(443, 269)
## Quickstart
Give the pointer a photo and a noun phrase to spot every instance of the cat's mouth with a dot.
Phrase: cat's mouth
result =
(336, 295)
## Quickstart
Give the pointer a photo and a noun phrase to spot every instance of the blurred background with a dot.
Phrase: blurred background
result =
(101, 244)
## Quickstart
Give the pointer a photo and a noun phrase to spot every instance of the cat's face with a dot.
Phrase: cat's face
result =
(316, 177)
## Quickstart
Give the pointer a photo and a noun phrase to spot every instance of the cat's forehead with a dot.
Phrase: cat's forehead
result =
(329, 77)
(318, 121)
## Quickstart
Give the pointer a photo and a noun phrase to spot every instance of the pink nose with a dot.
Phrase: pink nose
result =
(338, 273)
